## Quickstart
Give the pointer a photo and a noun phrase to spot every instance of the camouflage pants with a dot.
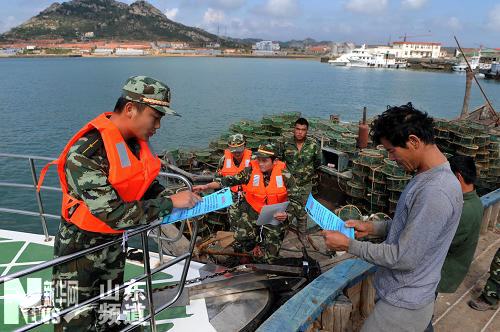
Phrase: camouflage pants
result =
(234, 213)
(302, 216)
(248, 234)
(90, 275)
(492, 288)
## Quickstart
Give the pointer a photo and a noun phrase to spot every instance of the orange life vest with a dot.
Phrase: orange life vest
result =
(129, 176)
(229, 168)
(258, 195)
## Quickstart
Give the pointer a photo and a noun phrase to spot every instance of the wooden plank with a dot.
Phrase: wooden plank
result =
(306, 306)
(354, 294)
(486, 220)
(327, 318)
(342, 315)
(495, 212)
(367, 297)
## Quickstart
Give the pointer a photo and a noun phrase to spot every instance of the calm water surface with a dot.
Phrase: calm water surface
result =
(44, 101)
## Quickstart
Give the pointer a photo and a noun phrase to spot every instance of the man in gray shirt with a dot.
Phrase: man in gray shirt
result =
(417, 240)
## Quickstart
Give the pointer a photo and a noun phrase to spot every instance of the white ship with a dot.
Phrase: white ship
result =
(367, 58)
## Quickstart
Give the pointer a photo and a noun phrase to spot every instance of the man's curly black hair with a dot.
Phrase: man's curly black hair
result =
(397, 123)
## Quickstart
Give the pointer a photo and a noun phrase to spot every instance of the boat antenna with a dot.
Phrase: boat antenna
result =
(491, 109)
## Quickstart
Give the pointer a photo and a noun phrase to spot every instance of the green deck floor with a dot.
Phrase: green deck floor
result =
(36, 253)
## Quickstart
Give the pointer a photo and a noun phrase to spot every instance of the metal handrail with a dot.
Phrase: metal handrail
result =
(34, 178)
(142, 230)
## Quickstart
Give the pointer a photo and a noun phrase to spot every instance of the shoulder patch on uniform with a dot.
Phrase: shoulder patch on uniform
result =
(92, 145)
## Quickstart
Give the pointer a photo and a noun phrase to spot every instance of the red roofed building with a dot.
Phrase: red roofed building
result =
(408, 49)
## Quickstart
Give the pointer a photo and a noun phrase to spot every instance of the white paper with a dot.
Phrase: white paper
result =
(266, 216)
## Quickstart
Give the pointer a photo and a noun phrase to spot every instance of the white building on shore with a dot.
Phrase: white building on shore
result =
(408, 49)
(266, 46)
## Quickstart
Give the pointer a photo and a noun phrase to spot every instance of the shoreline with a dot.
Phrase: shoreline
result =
(293, 57)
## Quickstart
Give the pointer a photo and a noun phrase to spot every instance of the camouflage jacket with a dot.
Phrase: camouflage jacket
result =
(304, 163)
(294, 195)
(87, 171)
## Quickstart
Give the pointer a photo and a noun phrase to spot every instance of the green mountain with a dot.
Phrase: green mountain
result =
(107, 19)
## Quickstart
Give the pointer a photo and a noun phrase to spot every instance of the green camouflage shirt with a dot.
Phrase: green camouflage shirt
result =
(87, 171)
(294, 195)
(304, 163)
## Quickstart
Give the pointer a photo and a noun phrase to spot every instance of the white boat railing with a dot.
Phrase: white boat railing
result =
(143, 231)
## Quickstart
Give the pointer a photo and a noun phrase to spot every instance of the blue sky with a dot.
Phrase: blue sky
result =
(475, 22)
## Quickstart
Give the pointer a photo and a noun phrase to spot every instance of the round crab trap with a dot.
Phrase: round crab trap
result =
(494, 171)
(482, 140)
(392, 205)
(466, 150)
(290, 115)
(377, 187)
(356, 185)
(441, 124)
(376, 175)
(494, 162)
(394, 195)
(370, 157)
(360, 169)
(267, 120)
(481, 171)
(346, 144)
(376, 198)
(382, 151)
(447, 155)
(482, 156)
(391, 168)
(494, 147)
(349, 135)
(372, 207)
(359, 179)
(462, 139)
(442, 133)
(397, 183)
(339, 128)
(252, 143)
(203, 156)
(349, 211)
(379, 216)
(354, 190)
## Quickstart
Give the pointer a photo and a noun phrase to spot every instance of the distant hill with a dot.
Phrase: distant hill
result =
(107, 19)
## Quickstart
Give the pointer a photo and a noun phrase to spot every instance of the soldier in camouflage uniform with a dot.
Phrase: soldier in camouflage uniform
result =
(488, 300)
(236, 146)
(264, 242)
(302, 156)
(137, 116)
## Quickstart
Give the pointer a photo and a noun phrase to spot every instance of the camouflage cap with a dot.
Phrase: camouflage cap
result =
(236, 143)
(266, 150)
(147, 90)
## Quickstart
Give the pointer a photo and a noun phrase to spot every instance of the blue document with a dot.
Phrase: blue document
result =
(326, 219)
(218, 200)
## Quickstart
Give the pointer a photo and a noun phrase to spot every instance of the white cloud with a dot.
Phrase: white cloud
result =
(453, 23)
(213, 16)
(171, 13)
(228, 4)
(413, 4)
(281, 8)
(494, 18)
(366, 6)
(8, 23)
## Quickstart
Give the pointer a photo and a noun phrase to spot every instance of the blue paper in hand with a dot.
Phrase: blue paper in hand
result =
(326, 219)
(218, 200)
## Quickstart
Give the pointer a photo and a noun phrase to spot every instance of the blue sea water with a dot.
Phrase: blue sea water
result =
(44, 101)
